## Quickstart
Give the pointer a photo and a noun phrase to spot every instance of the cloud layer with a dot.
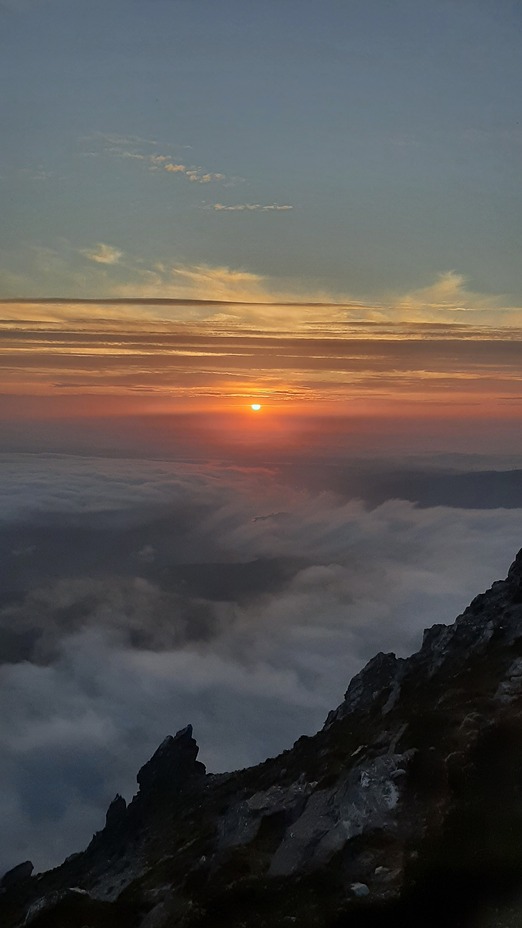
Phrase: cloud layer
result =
(140, 596)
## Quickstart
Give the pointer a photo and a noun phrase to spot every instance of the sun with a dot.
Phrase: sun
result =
(255, 406)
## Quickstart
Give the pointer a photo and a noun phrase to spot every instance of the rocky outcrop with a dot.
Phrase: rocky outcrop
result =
(172, 765)
(116, 813)
(404, 809)
(17, 875)
(380, 676)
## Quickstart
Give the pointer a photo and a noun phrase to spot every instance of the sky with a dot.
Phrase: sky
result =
(308, 205)
(356, 160)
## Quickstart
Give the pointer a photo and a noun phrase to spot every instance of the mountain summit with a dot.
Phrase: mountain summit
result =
(404, 810)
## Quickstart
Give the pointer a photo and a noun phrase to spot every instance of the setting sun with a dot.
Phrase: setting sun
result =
(256, 407)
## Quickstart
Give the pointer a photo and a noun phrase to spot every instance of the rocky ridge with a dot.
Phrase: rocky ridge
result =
(405, 808)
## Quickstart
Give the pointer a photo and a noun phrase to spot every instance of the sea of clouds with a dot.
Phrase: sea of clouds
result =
(138, 596)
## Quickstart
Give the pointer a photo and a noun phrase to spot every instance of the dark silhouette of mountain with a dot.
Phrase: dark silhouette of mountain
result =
(404, 810)
(465, 489)
(469, 490)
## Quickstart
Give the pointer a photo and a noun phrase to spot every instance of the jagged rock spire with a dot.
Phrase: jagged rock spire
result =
(172, 765)
(116, 812)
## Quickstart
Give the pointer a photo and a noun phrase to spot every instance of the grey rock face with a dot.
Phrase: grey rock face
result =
(366, 799)
(241, 823)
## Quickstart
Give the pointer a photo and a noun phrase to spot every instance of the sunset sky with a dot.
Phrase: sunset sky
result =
(309, 205)
(359, 160)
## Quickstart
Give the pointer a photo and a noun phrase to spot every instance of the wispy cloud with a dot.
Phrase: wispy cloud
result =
(199, 281)
(449, 294)
(212, 275)
(147, 151)
(203, 177)
(170, 167)
(196, 175)
(102, 253)
(250, 207)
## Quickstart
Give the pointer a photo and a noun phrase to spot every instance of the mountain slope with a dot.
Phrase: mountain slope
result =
(407, 805)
